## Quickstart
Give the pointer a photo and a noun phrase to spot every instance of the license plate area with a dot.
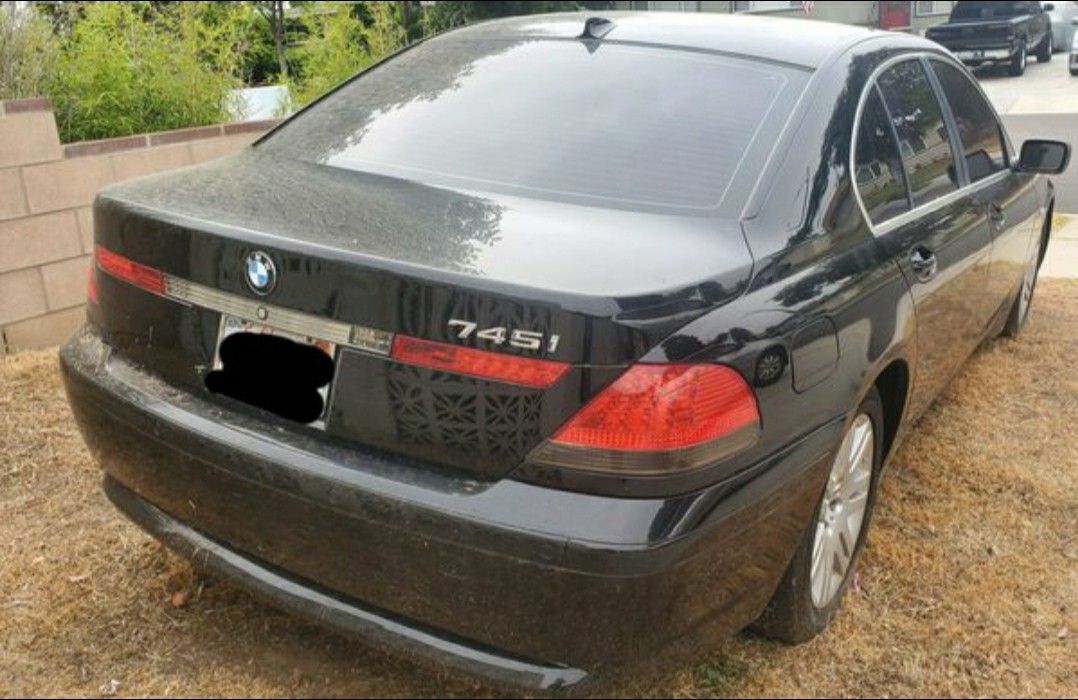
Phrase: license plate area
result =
(285, 373)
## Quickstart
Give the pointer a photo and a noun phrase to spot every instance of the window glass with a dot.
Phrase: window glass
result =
(922, 133)
(939, 7)
(992, 10)
(549, 118)
(880, 181)
(982, 142)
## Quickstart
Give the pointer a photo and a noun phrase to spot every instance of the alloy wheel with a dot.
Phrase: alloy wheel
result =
(842, 512)
(1029, 280)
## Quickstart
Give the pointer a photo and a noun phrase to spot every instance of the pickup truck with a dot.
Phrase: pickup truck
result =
(979, 33)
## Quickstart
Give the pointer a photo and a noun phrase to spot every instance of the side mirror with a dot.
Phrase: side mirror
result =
(1048, 157)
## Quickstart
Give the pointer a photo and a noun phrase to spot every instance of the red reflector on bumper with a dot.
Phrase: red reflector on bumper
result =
(495, 366)
(130, 271)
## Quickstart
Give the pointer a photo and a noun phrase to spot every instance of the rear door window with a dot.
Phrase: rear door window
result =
(923, 138)
(978, 130)
(880, 180)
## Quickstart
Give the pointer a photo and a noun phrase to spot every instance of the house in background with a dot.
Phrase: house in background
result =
(913, 16)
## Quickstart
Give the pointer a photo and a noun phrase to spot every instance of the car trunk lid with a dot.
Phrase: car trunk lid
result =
(586, 287)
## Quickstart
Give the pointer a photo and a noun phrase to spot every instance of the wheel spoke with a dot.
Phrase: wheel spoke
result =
(862, 448)
(846, 540)
(818, 545)
(827, 571)
(855, 499)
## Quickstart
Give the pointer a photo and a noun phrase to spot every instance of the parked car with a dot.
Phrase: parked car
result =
(981, 33)
(522, 352)
(1062, 17)
(1073, 64)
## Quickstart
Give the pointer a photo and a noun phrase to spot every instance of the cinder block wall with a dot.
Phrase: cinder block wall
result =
(46, 230)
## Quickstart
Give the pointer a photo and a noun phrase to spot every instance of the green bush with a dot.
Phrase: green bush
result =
(28, 52)
(129, 68)
(339, 44)
(333, 51)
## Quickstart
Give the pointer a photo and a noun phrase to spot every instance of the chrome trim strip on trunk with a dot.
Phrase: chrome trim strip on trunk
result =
(363, 338)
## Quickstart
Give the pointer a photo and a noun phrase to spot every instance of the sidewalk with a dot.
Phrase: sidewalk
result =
(1061, 260)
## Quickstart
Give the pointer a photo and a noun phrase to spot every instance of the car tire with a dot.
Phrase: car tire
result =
(1074, 71)
(1044, 51)
(1019, 313)
(798, 610)
(1017, 65)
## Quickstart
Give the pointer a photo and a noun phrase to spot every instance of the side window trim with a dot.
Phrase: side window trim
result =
(957, 155)
(915, 212)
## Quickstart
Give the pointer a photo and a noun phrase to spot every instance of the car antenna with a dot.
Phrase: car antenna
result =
(595, 28)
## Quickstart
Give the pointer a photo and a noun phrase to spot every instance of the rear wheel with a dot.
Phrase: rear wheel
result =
(811, 590)
(1018, 62)
(1020, 311)
(1044, 51)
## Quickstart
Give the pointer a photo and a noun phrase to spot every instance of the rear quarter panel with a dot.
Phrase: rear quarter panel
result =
(816, 260)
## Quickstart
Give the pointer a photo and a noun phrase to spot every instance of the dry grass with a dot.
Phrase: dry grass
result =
(969, 585)
(1061, 220)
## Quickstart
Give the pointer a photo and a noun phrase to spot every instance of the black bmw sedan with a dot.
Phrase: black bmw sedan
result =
(547, 343)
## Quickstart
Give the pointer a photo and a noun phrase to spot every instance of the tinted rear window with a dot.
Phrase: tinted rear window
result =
(990, 10)
(629, 124)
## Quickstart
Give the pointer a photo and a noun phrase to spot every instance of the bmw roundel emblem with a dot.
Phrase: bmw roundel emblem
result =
(261, 273)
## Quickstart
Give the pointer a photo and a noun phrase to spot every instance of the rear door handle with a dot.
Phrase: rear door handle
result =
(997, 216)
(924, 263)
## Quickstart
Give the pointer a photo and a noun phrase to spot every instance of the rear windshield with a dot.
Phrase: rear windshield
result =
(990, 10)
(554, 119)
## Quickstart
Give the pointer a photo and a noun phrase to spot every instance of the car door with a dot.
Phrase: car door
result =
(1008, 197)
(942, 243)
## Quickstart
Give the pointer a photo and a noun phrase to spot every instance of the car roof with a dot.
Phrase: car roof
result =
(801, 42)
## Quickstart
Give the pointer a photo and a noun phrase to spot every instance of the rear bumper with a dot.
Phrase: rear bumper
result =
(515, 582)
(975, 55)
(983, 51)
(304, 599)
(985, 55)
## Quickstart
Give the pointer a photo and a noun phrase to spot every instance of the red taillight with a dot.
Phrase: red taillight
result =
(498, 367)
(130, 271)
(655, 419)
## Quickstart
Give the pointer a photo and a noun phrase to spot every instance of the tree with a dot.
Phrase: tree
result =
(273, 11)
(334, 50)
(385, 33)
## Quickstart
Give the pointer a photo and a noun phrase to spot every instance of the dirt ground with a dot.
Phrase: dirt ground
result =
(968, 586)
